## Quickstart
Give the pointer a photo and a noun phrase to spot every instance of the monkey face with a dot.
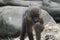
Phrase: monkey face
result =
(35, 15)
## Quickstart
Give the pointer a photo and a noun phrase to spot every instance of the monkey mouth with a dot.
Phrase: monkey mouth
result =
(36, 20)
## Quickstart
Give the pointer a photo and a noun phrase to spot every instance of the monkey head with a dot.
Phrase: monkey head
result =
(34, 14)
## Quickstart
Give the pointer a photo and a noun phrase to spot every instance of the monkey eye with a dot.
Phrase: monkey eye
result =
(35, 15)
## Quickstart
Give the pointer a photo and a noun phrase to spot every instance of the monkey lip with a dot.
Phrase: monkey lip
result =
(37, 24)
(36, 20)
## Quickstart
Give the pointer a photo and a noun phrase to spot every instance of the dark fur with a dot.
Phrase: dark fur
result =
(28, 22)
